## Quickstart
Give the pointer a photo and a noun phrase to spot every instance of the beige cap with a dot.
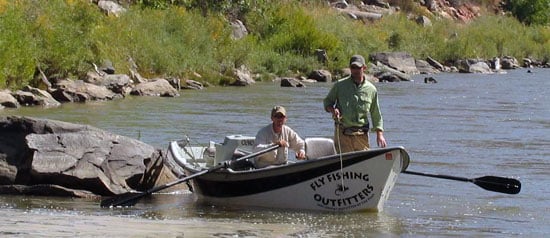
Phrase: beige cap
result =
(357, 60)
(278, 109)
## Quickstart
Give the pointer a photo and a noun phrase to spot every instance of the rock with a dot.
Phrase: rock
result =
(431, 5)
(473, 66)
(400, 61)
(239, 29)
(527, 63)
(33, 96)
(430, 80)
(424, 67)
(175, 82)
(386, 73)
(360, 15)
(242, 77)
(107, 67)
(291, 82)
(434, 63)
(8, 100)
(320, 75)
(136, 77)
(509, 62)
(80, 91)
(111, 8)
(192, 84)
(38, 152)
(423, 21)
(342, 4)
(321, 55)
(118, 83)
(155, 87)
(388, 77)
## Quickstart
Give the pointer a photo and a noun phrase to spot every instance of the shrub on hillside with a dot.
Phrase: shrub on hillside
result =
(531, 12)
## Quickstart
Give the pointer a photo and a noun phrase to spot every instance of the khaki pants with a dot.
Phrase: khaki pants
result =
(349, 142)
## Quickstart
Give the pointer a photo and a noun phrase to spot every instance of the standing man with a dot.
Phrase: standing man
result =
(350, 100)
(280, 134)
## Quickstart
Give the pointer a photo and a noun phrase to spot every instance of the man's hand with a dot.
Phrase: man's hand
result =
(380, 140)
(301, 155)
(282, 143)
(335, 112)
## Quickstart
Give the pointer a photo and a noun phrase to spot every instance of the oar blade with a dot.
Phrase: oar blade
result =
(122, 200)
(499, 184)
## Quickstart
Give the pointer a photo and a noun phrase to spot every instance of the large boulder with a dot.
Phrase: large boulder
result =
(79, 91)
(117, 83)
(34, 96)
(242, 76)
(45, 155)
(473, 66)
(400, 61)
(320, 75)
(387, 74)
(155, 87)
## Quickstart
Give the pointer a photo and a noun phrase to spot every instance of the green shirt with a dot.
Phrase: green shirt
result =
(355, 103)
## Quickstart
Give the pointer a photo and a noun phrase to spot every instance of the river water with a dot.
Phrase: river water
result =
(466, 125)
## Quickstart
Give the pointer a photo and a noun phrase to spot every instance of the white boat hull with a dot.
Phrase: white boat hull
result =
(356, 181)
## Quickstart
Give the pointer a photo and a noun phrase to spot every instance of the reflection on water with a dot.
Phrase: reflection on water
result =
(465, 125)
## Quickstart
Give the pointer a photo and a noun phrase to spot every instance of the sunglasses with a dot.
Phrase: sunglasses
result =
(355, 67)
(279, 116)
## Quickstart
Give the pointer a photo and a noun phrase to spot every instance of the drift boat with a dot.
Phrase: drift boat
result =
(326, 181)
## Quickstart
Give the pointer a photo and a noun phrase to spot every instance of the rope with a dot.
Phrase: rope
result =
(340, 152)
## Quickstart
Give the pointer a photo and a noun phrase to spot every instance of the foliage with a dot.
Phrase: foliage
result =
(19, 52)
(64, 39)
(176, 38)
(169, 42)
(536, 12)
(235, 9)
(289, 31)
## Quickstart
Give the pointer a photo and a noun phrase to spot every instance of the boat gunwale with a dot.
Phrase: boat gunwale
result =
(295, 166)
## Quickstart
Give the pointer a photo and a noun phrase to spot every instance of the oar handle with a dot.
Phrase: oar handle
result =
(227, 163)
(439, 176)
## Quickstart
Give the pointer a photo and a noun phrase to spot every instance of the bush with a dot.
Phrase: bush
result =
(63, 33)
(18, 57)
(531, 12)
(64, 38)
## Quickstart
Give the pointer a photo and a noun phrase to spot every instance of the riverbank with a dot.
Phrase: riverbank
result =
(63, 40)
(105, 85)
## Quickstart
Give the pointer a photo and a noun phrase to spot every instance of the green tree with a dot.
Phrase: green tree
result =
(530, 12)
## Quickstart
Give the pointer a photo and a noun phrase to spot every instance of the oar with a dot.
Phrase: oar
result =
(491, 183)
(131, 198)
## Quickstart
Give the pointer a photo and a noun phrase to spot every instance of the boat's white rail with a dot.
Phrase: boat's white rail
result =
(189, 155)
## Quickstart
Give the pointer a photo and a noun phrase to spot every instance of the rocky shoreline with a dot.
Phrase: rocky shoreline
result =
(105, 83)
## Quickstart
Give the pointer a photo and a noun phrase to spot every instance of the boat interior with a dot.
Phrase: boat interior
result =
(236, 146)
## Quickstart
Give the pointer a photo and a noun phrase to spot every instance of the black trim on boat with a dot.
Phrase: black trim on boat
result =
(214, 185)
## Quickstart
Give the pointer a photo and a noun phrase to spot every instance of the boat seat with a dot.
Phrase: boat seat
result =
(318, 147)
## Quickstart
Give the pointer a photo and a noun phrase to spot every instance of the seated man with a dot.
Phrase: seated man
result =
(280, 134)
